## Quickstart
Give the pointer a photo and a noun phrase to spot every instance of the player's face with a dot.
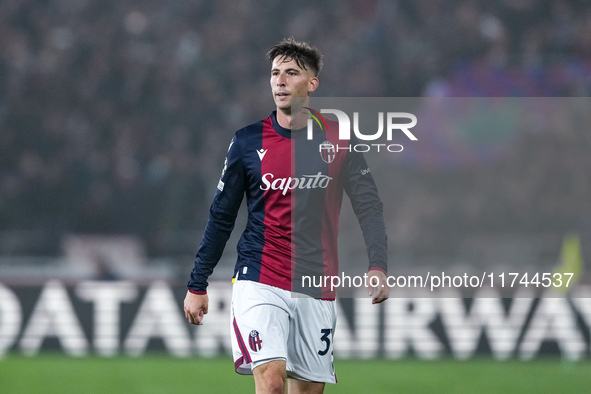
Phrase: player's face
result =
(291, 85)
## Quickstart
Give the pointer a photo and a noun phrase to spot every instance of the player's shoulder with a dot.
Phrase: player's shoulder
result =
(253, 129)
(250, 135)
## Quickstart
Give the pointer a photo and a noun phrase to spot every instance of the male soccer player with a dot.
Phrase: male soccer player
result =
(294, 187)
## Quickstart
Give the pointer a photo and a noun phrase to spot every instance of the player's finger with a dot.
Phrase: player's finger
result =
(197, 321)
(379, 298)
(199, 317)
(190, 316)
(371, 285)
(382, 294)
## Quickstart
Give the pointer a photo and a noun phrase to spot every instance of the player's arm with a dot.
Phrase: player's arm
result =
(222, 217)
(367, 205)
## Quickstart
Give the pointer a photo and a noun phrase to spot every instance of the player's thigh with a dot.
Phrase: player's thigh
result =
(260, 325)
(270, 377)
(296, 386)
(310, 344)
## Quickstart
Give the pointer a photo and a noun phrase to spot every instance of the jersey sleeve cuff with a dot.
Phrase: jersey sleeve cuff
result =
(198, 292)
(378, 269)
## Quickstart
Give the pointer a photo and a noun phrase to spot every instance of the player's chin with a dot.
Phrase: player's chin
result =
(286, 109)
(283, 105)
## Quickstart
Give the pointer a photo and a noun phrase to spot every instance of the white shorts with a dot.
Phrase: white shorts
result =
(269, 324)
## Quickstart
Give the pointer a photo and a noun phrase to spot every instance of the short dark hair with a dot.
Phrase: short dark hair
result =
(305, 55)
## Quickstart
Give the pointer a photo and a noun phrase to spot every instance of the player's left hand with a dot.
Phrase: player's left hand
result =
(381, 292)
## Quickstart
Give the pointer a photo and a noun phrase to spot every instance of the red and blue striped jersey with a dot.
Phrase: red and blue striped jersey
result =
(294, 188)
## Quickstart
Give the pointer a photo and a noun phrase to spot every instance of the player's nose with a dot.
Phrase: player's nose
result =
(280, 81)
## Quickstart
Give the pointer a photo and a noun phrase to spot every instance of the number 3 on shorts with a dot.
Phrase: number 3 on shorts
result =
(325, 338)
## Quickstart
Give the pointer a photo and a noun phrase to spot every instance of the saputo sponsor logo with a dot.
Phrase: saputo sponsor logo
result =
(394, 122)
(304, 182)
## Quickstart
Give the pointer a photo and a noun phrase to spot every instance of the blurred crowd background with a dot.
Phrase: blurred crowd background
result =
(115, 116)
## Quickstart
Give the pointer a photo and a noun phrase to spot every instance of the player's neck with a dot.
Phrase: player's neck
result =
(292, 120)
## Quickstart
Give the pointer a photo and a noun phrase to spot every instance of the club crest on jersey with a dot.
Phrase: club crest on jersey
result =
(327, 152)
(255, 341)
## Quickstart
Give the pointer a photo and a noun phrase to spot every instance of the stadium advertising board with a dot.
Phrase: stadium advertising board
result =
(109, 318)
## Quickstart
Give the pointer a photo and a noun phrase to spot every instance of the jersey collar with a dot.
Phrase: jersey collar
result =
(287, 133)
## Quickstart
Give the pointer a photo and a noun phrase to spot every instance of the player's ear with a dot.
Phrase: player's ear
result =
(312, 84)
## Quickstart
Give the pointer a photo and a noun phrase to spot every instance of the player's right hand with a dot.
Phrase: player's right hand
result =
(196, 307)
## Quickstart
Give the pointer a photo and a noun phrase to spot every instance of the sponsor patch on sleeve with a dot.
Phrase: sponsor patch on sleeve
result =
(220, 185)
